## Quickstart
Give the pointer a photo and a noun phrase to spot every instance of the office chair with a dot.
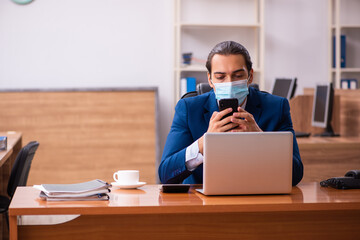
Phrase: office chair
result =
(200, 89)
(190, 94)
(19, 175)
(203, 88)
(254, 85)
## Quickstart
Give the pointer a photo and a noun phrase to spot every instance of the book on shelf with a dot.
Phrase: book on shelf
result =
(91, 190)
(187, 85)
(351, 83)
(183, 87)
(342, 51)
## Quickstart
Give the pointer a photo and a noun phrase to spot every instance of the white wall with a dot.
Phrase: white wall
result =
(121, 43)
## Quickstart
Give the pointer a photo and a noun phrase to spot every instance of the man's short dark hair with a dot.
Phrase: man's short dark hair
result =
(229, 48)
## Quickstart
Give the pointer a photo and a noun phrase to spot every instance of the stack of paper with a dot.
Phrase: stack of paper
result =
(92, 190)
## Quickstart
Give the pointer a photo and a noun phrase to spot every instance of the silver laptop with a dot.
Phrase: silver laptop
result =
(247, 163)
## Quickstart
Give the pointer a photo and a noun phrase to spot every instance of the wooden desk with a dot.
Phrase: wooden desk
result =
(309, 212)
(328, 157)
(7, 159)
(13, 145)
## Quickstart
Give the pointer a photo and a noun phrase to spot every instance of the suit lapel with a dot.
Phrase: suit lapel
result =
(253, 104)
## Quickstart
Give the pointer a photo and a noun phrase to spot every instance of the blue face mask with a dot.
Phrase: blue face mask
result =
(237, 89)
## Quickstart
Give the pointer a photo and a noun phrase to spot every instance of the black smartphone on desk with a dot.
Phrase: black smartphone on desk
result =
(175, 188)
(228, 103)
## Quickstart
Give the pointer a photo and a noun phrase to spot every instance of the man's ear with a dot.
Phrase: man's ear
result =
(251, 74)
(209, 80)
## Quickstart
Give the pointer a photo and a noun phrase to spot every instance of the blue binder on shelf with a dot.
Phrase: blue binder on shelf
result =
(190, 84)
(342, 51)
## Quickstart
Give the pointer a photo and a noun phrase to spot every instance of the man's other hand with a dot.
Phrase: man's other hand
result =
(245, 122)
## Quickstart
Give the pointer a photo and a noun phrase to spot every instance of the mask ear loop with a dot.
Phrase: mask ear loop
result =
(211, 79)
(212, 83)
(248, 79)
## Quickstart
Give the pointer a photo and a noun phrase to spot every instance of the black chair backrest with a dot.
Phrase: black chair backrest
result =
(20, 171)
(200, 89)
(190, 94)
(254, 85)
(203, 88)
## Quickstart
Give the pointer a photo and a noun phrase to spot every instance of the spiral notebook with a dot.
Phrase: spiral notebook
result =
(91, 190)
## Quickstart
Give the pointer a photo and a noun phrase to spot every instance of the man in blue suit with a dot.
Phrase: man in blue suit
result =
(229, 74)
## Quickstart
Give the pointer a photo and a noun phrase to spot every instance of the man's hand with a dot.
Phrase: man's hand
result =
(245, 122)
(217, 124)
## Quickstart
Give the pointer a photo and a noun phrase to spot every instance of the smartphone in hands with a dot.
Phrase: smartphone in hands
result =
(228, 103)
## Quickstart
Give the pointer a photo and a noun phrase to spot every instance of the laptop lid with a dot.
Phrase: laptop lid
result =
(247, 163)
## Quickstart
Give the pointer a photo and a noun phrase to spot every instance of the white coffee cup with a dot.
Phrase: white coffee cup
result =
(126, 177)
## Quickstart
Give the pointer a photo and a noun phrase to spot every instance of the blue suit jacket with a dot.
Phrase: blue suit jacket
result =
(191, 121)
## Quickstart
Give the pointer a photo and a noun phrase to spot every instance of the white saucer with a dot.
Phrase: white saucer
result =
(127, 186)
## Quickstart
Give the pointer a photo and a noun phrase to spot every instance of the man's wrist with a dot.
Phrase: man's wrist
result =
(201, 145)
(193, 157)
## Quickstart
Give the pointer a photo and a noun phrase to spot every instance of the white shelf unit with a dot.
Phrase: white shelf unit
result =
(200, 24)
(344, 19)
